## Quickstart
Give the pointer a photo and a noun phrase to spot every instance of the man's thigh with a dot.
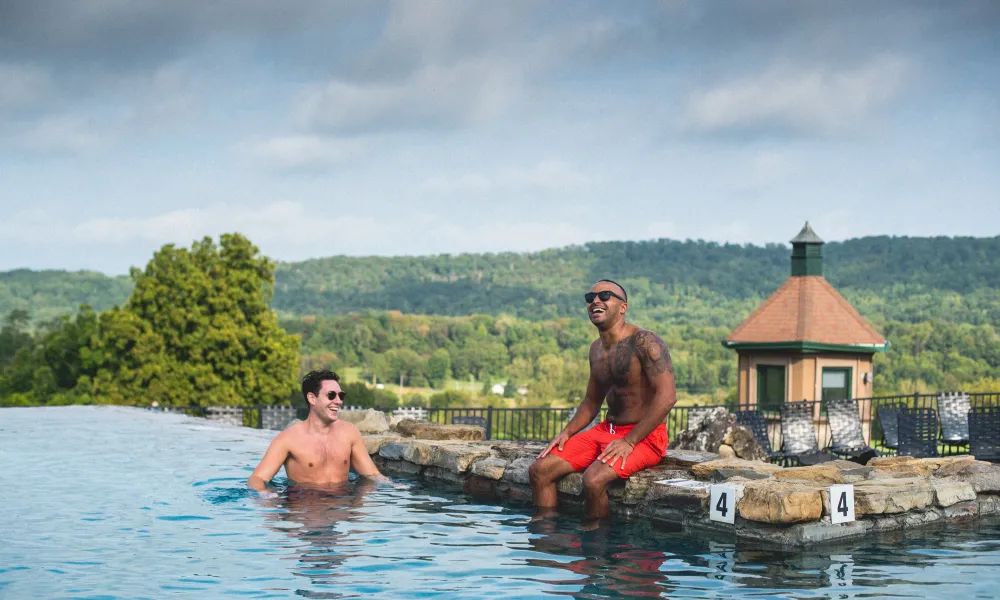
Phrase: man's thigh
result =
(581, 450)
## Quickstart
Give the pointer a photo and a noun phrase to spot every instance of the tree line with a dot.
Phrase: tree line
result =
(199, 327)
(678, 282)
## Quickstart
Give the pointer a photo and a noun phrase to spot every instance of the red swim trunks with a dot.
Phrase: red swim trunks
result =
(583, 448)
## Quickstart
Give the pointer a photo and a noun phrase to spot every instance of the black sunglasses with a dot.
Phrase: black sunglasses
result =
(332, 395)
(604, 295)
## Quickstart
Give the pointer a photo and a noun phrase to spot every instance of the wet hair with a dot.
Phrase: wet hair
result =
(624, 293)
(313, 381)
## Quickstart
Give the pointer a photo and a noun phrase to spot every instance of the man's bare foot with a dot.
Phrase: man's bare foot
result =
(543, 513)
(590, 525)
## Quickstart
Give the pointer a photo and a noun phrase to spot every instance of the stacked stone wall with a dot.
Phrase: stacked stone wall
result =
(788, 507)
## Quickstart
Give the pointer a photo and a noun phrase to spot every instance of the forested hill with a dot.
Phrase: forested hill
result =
(692, 282)
(48, 294)
(689, 282)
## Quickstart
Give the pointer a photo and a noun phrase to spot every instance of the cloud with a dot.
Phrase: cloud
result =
(22, 85)
(304, 153)
(293, 231)
(434, 96)
(820, 99)
(554, 176)
(63, 135)
(762, 170)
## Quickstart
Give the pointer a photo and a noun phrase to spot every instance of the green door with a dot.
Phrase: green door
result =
(770, 386)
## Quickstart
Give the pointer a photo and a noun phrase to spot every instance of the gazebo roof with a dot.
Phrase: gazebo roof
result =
(807, 314)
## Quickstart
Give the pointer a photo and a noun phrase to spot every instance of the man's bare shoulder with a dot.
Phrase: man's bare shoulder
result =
(293, 435)
(347, 429)
(652, 351)
(642, 336)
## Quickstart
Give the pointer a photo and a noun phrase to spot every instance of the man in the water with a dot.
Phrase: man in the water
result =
(630, 368)
(322, 449)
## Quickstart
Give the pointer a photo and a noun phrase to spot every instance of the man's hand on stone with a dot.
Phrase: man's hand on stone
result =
(560, 441)
(618, 449)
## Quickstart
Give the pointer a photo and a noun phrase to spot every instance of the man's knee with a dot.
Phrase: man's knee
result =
(539, 472)
(596, 480)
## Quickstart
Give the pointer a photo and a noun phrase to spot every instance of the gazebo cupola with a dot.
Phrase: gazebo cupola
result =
(805, 342)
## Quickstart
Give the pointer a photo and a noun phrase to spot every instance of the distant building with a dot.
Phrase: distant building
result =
(805, 342)
(498, 388)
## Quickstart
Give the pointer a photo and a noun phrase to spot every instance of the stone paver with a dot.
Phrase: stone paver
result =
(780, 502)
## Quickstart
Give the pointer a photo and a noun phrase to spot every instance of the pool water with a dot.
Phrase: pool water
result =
(120, 503)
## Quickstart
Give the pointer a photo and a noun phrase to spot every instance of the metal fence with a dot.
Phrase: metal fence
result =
(543, 424)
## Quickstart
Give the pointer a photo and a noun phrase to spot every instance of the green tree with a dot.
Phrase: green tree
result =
(439, 367)
(197, 330)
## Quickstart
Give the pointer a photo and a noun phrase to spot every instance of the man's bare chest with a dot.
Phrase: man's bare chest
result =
(321, 455)
(618, 366)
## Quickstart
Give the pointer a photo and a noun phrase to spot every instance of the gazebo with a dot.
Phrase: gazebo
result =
(805, 342)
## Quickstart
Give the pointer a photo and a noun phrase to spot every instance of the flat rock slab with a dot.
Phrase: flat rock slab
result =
(892, 496)
(374, 443)
(948, 491)
(490, 468)
(571, 484)
(704, 470)
(685, 459)
(459, 457)
(517, 471)
(424, 430)
(721, 475)
(689, 499)
(780, 502)
(823, 473)
(511, 451)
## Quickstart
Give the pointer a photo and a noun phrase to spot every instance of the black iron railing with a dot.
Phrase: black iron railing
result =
(543, 424)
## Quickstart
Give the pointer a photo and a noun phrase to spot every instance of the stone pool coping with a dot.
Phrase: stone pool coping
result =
(784, 506)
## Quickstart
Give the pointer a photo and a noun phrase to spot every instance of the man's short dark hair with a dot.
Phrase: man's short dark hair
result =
(624, 293)
(313, 381)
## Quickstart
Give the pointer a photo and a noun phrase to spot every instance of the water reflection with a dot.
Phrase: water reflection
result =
(608, 566)
(312, 518)
(634, 560)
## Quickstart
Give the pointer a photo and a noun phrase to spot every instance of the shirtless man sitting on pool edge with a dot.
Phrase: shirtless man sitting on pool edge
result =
(631, 368)
(322, 449)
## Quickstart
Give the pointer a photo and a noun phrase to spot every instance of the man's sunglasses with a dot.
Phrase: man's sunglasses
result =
(332, 395)
(603, 295)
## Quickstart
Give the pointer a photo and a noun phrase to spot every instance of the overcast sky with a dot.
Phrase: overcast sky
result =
(323, 128)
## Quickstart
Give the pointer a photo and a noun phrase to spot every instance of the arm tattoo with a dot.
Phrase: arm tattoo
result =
(654, 356)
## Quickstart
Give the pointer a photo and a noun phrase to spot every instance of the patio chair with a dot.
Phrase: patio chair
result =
(918, 432)
(754, 421)
(984, 432)
(888, 420)
(953, 408)
(845, 428)
(798, 435)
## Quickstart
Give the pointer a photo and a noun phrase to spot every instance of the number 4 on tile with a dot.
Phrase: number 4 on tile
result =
(722, 504)
(841, 503)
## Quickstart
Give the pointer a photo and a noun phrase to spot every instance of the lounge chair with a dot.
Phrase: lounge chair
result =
(953, 409)
(798, 435)
(984, 432)
(888, 419)
(845, 428)
(918, 432)
(754, 421)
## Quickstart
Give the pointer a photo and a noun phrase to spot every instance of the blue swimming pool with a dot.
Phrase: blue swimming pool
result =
(120, 503)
